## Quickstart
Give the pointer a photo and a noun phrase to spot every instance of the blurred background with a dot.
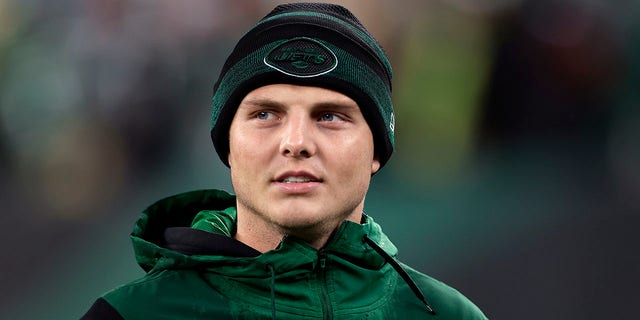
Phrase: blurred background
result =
(516, 176)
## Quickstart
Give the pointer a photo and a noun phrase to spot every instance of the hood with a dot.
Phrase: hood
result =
(196, 229)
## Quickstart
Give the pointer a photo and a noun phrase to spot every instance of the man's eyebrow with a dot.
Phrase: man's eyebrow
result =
(329, 104)
(336, 105)
(262, 102)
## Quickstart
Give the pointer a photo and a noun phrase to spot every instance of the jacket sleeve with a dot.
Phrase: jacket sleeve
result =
(101, 309)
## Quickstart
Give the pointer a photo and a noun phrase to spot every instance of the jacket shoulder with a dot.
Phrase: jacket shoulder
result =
(448, 302)
(169, 293)
(101, 309)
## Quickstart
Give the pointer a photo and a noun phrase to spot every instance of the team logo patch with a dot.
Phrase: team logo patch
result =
(302, 57)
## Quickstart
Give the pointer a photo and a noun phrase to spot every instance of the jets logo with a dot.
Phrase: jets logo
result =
(302, 57)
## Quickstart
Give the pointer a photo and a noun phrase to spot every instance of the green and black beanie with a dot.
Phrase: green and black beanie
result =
(314, 44)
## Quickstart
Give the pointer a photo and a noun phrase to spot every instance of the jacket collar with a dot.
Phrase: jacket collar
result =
(154, 250)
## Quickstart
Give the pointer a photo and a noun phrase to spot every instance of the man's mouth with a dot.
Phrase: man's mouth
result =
(297, 182)
(297, 179)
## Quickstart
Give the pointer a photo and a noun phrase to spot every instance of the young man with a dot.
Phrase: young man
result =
(302, 115)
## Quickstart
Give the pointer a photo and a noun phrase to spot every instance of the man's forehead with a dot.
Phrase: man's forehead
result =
(286, 94)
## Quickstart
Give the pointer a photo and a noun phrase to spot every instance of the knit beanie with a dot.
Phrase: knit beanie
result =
(311, 44)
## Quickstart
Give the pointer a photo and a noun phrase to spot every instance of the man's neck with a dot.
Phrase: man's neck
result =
(256, 237)
(267, 238)
(264, 237)
(258, 232)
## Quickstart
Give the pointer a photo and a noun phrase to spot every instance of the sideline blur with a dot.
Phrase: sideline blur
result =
(515, 177)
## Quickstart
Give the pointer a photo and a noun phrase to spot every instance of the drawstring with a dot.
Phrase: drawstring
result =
(405, 276)
(396, 266)
(273, 290)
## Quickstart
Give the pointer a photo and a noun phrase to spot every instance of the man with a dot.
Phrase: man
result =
(302, 115)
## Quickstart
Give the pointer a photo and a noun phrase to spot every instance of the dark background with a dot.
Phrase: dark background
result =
(516, 176)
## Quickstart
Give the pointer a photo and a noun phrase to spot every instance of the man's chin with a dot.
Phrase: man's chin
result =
(303, 228)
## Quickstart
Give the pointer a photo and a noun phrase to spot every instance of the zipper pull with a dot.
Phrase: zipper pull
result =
(322, 258)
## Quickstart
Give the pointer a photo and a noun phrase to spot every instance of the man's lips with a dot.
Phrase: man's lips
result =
(297, 182)
(297, 177)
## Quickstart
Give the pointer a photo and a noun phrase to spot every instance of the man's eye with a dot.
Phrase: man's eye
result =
(328, 117)
(264, 115)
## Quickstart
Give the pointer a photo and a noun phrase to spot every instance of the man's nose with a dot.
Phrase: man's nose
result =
(297, 138)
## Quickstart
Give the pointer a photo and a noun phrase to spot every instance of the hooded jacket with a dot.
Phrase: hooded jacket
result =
(196, 270)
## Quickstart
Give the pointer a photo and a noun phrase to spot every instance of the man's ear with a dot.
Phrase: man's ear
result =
(375, 165)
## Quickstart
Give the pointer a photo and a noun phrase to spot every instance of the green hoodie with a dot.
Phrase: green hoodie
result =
(196, 270)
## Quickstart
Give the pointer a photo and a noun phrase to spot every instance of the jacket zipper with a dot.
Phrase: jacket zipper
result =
(327, 309)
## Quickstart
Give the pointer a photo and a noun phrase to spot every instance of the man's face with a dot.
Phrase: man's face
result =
(301, 158)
